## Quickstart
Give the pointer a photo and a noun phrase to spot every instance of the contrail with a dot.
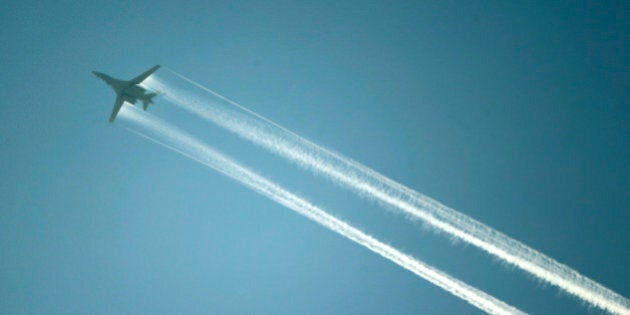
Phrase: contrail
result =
(368, 183)
(177, 140)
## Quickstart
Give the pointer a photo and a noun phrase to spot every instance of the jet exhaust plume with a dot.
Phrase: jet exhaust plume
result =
(370, 184)
(158, 131)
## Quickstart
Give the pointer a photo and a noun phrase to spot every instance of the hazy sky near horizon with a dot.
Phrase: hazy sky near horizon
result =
(514, 114)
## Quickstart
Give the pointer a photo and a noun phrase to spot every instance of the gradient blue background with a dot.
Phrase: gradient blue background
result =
(515, 114)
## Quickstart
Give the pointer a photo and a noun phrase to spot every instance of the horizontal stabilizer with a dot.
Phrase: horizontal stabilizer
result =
(148, 100)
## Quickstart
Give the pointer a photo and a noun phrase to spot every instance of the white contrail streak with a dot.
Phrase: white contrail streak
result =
(375, 186)
(181, 142)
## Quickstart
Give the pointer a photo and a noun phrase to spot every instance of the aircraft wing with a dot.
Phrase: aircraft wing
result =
(117, 106)
(144, 75)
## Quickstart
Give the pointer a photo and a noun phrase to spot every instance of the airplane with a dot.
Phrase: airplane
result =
(129, 91)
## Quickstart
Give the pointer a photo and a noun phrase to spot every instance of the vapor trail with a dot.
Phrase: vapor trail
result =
(177, 140)
(368, 183)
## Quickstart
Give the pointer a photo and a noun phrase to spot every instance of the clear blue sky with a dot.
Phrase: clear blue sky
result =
(514, 114)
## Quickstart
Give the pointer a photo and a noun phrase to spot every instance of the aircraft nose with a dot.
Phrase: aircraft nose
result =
(99, 75)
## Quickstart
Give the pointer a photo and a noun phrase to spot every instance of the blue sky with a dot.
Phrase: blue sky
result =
(514, 114)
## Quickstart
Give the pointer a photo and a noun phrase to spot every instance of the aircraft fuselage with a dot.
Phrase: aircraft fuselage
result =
(129, 91)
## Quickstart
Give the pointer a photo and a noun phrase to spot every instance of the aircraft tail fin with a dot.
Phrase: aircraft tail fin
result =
(148, 100)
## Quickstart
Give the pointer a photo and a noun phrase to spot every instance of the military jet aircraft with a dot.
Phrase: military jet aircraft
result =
(129, 91)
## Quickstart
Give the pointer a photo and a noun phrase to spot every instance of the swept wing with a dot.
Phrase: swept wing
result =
(117, 106)
(144, 75)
